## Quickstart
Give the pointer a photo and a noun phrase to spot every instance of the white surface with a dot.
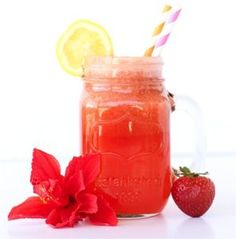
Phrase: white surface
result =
(218, 222)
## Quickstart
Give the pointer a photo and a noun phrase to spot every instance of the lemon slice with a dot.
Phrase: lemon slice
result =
(81, 39)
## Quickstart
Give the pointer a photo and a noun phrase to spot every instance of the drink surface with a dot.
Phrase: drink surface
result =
(129, 126)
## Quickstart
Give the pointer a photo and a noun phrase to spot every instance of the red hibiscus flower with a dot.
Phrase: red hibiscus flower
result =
(65, 200)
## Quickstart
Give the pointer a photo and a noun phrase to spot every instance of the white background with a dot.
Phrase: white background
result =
(39, 101)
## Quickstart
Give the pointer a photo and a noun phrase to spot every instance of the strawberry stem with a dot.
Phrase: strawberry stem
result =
(185, 171)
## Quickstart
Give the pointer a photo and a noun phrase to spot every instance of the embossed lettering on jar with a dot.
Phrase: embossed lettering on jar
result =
(125, 117)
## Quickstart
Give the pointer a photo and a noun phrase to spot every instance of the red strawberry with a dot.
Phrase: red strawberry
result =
(192, 193)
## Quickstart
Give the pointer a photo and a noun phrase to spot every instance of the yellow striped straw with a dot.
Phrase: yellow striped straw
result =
(163, 30)
(158, 29)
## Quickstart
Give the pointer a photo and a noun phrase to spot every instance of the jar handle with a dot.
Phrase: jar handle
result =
(189, 106)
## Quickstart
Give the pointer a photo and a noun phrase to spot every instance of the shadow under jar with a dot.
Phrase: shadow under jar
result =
(126, 118)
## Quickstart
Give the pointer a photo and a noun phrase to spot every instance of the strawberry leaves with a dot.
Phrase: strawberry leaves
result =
(185, 171)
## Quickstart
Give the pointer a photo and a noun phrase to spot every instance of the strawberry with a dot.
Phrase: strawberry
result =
(192, 193)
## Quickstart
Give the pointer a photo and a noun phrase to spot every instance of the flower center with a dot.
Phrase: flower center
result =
(71, 199)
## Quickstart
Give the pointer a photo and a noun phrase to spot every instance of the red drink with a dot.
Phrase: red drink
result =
(125, 117)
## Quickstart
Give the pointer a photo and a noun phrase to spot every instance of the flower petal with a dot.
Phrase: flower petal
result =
(88, 203)
(105, 214)
(90, 167)
(89, 164)
(33, 207)
(75, 184)
(74, 166)
(64, 216)
(74, 179)
(44, 167)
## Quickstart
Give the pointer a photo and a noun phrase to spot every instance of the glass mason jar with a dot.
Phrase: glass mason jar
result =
(126, 118)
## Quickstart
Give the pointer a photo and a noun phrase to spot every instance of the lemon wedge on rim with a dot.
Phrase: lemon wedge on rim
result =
(81, 39)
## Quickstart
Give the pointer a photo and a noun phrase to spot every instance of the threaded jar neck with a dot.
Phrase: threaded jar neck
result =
(123, 70)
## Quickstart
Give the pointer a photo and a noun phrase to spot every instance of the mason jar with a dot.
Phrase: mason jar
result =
(126, 119)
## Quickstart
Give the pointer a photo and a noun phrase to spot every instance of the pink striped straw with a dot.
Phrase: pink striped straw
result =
(163, 30)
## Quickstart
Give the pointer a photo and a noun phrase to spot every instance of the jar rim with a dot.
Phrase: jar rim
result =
(116, 60)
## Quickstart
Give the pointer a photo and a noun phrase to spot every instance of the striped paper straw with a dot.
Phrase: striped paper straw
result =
(163, 30)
